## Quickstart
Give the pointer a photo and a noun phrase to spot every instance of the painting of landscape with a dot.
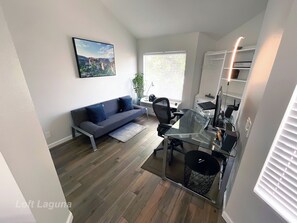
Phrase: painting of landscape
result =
(94, 59)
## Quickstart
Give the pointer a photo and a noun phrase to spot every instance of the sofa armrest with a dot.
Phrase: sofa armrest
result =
(138, 107)
(142, 108)
(89, 127)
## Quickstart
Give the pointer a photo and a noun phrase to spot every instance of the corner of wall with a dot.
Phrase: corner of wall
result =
(226, 217)
(70, 217)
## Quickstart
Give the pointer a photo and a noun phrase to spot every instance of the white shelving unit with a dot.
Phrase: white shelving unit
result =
(214, 75)
(234, 92)
(213, 66)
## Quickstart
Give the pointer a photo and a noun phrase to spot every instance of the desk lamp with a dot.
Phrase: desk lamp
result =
(151, 85)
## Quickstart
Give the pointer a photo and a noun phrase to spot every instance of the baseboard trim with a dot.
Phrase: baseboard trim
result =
(226, 217)
(224, 200)
(70, 218)
(52, 145)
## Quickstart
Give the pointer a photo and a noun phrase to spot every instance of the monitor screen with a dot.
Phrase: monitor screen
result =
(218, 107)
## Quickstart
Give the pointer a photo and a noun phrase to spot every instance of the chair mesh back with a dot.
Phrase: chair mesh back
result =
(161, 108)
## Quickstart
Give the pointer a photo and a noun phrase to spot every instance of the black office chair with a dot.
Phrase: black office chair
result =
(162, 110)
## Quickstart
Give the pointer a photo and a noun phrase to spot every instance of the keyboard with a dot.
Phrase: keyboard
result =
(207, 105)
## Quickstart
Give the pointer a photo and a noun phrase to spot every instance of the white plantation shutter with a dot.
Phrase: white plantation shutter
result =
(277, 183)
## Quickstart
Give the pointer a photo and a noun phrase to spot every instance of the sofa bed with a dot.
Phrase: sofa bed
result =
(99, 119)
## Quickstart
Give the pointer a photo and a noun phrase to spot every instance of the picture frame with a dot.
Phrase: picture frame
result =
(94, 59)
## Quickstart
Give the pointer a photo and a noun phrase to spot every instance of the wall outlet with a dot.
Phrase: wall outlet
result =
(248, 126)
(47, 134)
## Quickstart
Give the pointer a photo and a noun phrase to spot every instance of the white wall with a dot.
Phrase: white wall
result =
(268, 43)
(22, 142)
(42, 31)
(244, 205)
(250, 30)
(10, 193)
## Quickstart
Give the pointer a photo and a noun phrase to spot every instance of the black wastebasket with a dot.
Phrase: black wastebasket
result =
(200, 171)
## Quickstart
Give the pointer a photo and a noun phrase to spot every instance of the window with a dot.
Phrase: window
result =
(277, 183)
(164, 74)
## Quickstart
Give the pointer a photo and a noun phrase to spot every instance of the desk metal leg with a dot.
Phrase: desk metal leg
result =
(164, 157)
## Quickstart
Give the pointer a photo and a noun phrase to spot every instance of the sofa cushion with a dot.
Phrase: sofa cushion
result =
(114, 121)
(96, 113)
(126, 103)
(111, 107)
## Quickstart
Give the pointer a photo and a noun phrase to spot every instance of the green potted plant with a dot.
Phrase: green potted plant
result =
(138, 86)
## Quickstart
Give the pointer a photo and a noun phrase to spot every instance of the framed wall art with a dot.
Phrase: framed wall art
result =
(94, 59)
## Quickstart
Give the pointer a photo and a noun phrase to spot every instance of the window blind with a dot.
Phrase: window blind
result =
(277, 183)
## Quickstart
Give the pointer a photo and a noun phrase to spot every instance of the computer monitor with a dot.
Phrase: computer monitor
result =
(217, 112)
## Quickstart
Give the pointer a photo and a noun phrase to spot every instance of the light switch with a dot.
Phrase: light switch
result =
(248, 126)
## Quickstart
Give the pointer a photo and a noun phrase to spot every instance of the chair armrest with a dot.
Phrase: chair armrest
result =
(163, 128)
(178, 114)
(163, 125)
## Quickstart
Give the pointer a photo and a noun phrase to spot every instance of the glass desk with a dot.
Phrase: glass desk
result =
(191, 129)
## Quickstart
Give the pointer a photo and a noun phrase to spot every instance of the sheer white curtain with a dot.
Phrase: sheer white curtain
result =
(164, 74)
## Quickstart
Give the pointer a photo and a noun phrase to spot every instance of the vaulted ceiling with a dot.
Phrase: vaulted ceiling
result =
(147, 18)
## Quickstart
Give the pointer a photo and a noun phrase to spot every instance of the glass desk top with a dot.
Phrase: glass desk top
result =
(191, 128)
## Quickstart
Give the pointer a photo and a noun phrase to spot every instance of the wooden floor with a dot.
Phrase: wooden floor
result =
(109, 186)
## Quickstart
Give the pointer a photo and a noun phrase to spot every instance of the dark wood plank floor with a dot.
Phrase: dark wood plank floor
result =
(109, 186)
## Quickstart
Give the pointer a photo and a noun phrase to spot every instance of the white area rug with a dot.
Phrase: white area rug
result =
(126, 132)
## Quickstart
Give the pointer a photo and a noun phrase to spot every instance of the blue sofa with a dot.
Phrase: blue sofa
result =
(115, 118)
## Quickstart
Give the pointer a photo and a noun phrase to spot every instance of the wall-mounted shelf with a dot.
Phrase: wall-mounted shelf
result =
(233, 95)
(235, 80)
(237, 68)
(245, 49)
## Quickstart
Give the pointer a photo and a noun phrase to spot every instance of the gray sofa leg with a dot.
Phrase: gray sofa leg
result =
(73, 132)
(93, 143)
